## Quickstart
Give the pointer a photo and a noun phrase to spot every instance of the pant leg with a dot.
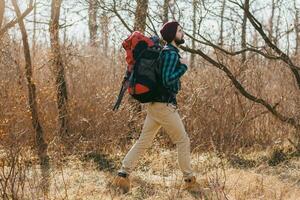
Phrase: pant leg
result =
(149, 131)
(170, 120)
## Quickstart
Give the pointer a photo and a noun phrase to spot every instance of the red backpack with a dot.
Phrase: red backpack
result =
(143, 74)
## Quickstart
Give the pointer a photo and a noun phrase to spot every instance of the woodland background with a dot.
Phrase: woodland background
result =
(61, 66)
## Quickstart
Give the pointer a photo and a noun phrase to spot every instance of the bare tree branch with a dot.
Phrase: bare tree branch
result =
(258, 27)
(13, 22)
(152, 28)
(208, 43)
(113, 8)
(241, 89)
(120, 18)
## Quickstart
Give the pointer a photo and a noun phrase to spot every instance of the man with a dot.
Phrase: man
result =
(163, 113)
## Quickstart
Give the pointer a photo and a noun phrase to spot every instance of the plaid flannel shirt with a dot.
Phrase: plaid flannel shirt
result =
(172, 69)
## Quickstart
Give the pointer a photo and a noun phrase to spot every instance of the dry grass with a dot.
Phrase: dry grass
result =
(158, 177)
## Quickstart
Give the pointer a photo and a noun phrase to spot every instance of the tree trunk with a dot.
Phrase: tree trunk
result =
(93, 21)
(57, 62)
(141, 15)
(288, 41)
(104, 22)
(192, 59)
(244, 26)
(41, 145)
(297, 28)
(271, 25)
(278, 22)
(234, 37)
(221, 37)
(2, 9)
(65, 29)
(34, 35)
(165, 11)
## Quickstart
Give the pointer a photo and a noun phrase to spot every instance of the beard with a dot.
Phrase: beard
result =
(179, 41)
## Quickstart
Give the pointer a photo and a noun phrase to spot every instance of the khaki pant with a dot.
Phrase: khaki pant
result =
(166, 116)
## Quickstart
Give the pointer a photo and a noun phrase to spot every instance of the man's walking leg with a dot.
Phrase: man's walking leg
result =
(175, 129)
(149, 131)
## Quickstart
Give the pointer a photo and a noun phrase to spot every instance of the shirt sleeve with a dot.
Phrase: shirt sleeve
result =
(170, 71)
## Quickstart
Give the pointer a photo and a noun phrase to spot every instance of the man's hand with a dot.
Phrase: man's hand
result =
(184, 61)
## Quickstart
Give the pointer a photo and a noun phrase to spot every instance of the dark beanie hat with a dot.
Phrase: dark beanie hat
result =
(168, 31)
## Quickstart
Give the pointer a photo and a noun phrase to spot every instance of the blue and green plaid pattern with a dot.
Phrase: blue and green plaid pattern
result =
(172, 69)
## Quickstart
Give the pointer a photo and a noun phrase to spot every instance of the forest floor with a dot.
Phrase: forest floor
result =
(157, 176)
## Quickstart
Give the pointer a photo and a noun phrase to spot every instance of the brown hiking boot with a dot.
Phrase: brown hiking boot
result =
(191, 185)
(122, 182)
